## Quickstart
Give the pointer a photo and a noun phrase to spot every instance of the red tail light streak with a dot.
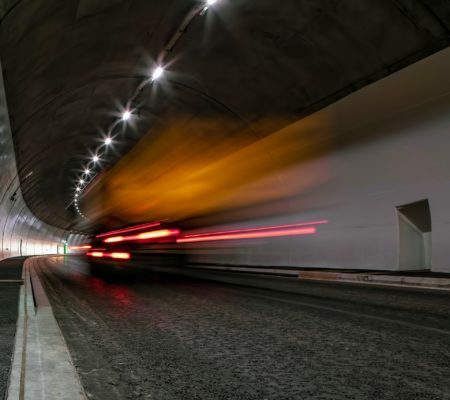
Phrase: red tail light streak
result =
(304, 228)
(158, 234)
(120, 256)
(114, 239)
(95, 254)
(82, 247)
(297, 229)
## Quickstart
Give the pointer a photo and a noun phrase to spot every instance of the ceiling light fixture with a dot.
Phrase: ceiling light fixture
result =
(157, 73)
(87, 171)
(108, 141)
(95, 158)
(126, 115)
(208, 3)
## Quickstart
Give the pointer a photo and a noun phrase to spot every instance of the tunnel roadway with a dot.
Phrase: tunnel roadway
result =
(160, 337)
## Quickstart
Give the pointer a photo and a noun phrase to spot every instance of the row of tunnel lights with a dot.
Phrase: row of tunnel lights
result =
(88, 173)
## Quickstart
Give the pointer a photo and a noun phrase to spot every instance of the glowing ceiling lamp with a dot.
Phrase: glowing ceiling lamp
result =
(157, 73)
(208, 3)
(126, 115)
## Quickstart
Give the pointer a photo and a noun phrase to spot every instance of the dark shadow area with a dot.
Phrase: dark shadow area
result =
(10, 270)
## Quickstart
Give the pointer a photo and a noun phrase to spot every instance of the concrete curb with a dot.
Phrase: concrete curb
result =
(416, 282)
(42, 368)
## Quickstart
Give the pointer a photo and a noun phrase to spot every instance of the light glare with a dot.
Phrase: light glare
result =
(95, 158)
(157, 73)
(108, 141)
(126, 115)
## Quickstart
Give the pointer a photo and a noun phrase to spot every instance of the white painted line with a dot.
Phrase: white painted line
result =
(42, 365)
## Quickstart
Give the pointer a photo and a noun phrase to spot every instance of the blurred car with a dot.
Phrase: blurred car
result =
(136, 247)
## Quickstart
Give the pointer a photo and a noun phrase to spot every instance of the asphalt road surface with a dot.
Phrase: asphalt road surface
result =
(173, 338)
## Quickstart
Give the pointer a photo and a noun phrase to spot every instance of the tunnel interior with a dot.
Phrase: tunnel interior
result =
(236, 116)
(224, 199)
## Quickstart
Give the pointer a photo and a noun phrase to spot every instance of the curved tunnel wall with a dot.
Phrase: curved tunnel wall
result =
(398, 155)
(21, 232)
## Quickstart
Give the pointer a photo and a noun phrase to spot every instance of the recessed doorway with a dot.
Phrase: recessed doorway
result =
(414, 224)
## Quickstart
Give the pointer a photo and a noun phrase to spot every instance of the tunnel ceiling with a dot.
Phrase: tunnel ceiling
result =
(69, 66)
